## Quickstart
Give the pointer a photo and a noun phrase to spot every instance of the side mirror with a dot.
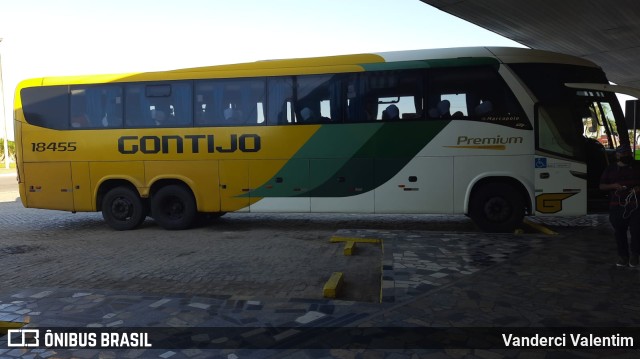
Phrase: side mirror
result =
(632, 114)
(632, 118)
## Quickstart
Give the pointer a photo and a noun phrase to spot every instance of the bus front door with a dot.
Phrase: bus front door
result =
(560, 186)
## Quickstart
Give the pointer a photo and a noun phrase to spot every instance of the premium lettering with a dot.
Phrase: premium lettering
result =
(498, 140)
(129, 145)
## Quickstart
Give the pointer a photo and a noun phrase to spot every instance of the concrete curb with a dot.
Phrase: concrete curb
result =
(336, 239)
(332, 287)
(349, 248)
(540, 228)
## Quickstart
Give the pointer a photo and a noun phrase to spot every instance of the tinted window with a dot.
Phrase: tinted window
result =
(46, 106)
(96, 106)
(564, 112)
(473, 93)
(384, 95)
(280, 109)
(306, 99)
(546, 81)
(319, 99)
(230, 102)
(159, 104)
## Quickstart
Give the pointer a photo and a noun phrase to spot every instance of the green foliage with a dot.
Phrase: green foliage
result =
(12, 148)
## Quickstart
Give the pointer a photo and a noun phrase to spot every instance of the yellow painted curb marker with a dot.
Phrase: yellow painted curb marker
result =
(333, 285)
(349, 248)
(6, 326)
(335, 239)
(540, 228)
(11, 325)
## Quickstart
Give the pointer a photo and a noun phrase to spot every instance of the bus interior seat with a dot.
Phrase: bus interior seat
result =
(410, 116)
(200, 111)
(306, 114)
(79, 118)
(391, 113)
(134, 111)
(232, 115)
(441, 110)
(282, 117)
(484, 108)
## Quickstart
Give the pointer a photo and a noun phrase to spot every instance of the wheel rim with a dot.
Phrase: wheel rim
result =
(497, 209)
(173, 208)
(122, 209)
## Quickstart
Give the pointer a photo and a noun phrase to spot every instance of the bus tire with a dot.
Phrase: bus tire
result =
(497, 207)
(123, 209)
(173, 207)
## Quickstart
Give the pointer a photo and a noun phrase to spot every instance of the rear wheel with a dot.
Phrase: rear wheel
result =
(123, 209)
(497, 207)
(174, 207)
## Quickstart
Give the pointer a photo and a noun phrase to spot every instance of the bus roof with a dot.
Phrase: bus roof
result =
(339, 63)
(501, 54)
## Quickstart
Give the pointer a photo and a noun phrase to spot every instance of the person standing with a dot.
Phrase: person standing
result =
(622, 180)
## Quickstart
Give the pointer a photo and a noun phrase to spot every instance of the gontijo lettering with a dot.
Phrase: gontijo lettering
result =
(129, 145)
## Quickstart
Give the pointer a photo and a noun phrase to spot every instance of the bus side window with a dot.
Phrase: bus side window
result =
(112, 96)
(474, 93)
(385, 96)
(449, 106)
(79, 117)
(319, 98)
(46, 106)
(181, 107)
(448, 94)
(170, 104)
(280, 101)
(137, 107)
(159, 104)
(230, 102)
(96, 106)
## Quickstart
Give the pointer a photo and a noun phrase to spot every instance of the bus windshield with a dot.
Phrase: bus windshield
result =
(567, 116)
(600, 122)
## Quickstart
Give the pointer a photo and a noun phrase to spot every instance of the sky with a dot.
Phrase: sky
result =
(77, 37)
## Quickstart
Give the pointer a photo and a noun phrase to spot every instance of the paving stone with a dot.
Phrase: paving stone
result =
(431, 278)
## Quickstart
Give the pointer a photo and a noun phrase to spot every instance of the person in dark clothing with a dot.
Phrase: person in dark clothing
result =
(622, 180)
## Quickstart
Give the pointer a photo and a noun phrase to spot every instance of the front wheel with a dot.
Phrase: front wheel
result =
(497, 207)
(174, 207)
(123, 209)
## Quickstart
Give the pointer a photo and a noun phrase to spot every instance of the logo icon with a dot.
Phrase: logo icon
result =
(541, 163)
(551, 202)
(21, 338)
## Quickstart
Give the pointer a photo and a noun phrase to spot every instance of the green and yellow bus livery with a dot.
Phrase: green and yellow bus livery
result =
(469, 130)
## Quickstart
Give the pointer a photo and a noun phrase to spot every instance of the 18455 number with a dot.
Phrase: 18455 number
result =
(53, 146)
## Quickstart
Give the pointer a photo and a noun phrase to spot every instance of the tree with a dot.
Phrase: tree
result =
(12, 149)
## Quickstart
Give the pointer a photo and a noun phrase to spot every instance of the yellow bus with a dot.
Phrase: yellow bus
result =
(493, 133)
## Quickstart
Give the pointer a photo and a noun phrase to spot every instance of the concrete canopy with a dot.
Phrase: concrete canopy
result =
(605, 32)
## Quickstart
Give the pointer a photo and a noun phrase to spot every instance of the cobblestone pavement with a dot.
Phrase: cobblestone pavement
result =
(258, 273)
